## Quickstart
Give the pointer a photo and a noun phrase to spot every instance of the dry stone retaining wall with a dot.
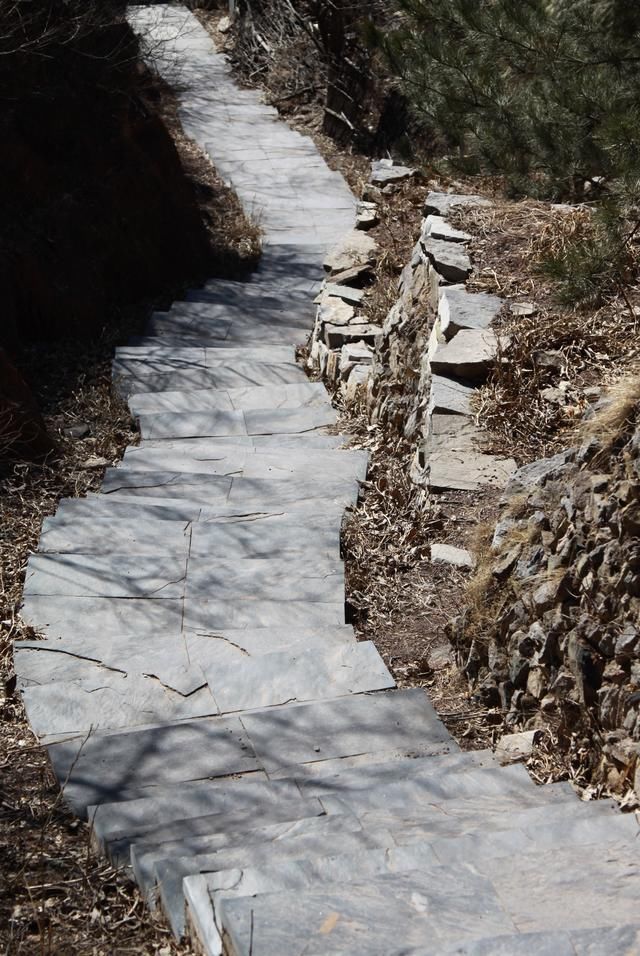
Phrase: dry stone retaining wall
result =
(418, 371)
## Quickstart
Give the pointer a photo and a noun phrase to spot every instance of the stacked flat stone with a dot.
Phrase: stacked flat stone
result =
(203, 700)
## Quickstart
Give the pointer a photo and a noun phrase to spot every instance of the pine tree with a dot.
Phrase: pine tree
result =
(545, 91)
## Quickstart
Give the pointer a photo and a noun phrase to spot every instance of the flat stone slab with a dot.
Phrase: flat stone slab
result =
(303, 577)
(110, 575)
(109, 700)
(255, 422)
(435, 227)
(114, 821)
(62, 534)
(354, 250)
(58, 616)
(152, 510)
(204, 618)
(263, 540)
(308, 733)
(140, 482)
(447, 554)
(384, 171)
(459, 310)
(223, 648)
(441, 204)
(449, 259)
(98, 769)
(86, 654)
(447, 396)
(454, 433)
(333, 291)
(133, 377)
(389, 910)
(285, 676)
(452, 468)
(469, 355)
(236, 461)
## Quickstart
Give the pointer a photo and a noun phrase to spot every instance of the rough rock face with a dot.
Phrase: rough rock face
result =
(560, 643)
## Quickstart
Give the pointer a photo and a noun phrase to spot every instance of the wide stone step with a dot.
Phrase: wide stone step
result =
(214, 423)
(567, 824)
(241, 399)
(134, 377)
(207, 489)
(314, 577)
(176, 660)
(184, 509)
(285, 676)
(327, 513)
(530, 892)
(125, 819)
(97, 769)
(282, 535)
(241, 307)
(221, 338)
(158, 356)
(249, 463)
(58, 616)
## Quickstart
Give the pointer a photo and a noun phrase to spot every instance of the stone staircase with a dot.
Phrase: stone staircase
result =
(203, 700)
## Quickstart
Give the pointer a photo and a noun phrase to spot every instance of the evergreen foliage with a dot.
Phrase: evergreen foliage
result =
(544, 92)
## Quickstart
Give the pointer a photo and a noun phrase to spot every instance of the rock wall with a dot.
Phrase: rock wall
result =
(557, 642)
(416, 373)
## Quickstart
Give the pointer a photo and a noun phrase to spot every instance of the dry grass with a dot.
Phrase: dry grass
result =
(617, 414)
(589, 347)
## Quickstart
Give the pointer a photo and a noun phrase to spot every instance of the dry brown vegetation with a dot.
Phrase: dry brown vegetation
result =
(574, 349)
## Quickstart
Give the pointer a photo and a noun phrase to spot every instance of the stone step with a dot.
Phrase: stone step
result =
(216, 490)
(293, 335)
(308, 839)
(179, 509)
(136, 377)
(459, 309)
(110, 700)
(469, 355)
(263, 443)
(119, 820)
(285, 676)
(599, 941)
(412, 791)
(447, 396)
(177, 660)
(327, 513)
(531, 892)
(57, 616)
(158, 355)
(265, 303)
(201, 578)
(250, 463)
(241, 399)
(95, 770)
(204, 892)
(214, 830)
(220, 423)
(253, 538)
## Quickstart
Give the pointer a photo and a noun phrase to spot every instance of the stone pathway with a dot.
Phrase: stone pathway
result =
(202, 699)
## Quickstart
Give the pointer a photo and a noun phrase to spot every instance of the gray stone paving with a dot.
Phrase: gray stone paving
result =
(204, 702)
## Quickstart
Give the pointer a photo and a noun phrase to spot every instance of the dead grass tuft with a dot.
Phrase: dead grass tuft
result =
(566, 349)
(618, 412)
